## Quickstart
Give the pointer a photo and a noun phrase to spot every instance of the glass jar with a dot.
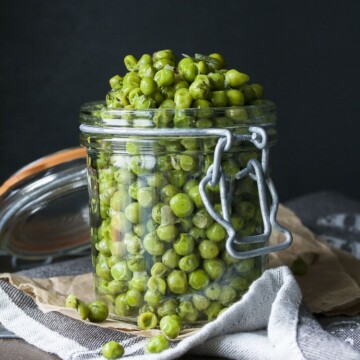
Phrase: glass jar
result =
(181, 206)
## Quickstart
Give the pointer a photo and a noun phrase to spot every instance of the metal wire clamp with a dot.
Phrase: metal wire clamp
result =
(259, 173)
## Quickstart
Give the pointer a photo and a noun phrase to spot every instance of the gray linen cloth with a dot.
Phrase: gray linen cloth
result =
(269, 323)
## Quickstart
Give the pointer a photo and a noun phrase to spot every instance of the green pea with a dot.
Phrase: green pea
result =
(204, 124)
(188, 163)
(130, 62)
(116, 82)
(122, 308)
(229, 260)
(156, 212)
(190, 143)
(188, 71)
(238, 114)
(147, 196)
(168, 191)
(148, 86)
(133, 96)
(103, 271)
(164, 77)
(145, 59)
(168, 307)
(71, 301)
(144, 102)
(167, 104)
(171, 325)
(258, 90)
(235, 78)
(119, 200)
(132, 212)
(153, 245)
(213, 291)
(157, 344)
(197, 233)
(213, 310)
(120, 271)
(98, 311)
(177, 282)
(227, 296)
(218, 98)
(141, 165)
(83, 310)
(189, 184)
(235, 97)
(182, 120)
(202, 219)
(103, 247)
(164, 54)
(147, 70)
(219, 62)
(245, 266)
(139, 229)
(171, 258)
(156, 179)
(159, 269)
(136, 263)
(167, 233)
(147, 320)
(184, 245)
(187, 311)
(182, 84)
(217, 81)
(199, 90)
(112, 260)
(134, 297)
(182, 98)
(189, 263)
(198, 279)
(208, 249)
(168, 92)
(246, 209)
(177, 177)
(139, 281)
(153, 298)
(215, 268)
(216, 232)
(112, 350)
(132, 77)
(200, 302)
(181, 205)
(205, 107)
(239, 284)
(118, 249)
(134, 245)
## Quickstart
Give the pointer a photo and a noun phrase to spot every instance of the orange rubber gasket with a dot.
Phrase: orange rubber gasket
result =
(41, 164)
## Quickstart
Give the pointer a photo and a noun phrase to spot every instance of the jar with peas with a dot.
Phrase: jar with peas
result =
(181, 203)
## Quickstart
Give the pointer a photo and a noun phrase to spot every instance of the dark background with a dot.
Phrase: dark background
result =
(57, 55)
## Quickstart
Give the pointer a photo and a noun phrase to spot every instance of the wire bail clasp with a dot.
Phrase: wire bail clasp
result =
(259, 173)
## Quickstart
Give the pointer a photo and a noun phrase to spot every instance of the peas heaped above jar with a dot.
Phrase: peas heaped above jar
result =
(181, 204)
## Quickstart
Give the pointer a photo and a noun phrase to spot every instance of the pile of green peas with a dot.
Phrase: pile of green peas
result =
(159, 257)
(158, 81)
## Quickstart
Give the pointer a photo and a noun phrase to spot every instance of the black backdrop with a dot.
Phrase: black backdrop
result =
(57, 55)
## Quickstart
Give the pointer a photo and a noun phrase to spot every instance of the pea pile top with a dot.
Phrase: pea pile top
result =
(159, 81)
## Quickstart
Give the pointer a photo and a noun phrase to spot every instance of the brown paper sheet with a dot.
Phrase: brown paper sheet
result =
(331, 285)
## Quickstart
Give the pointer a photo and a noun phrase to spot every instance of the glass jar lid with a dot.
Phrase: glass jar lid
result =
(44, 208)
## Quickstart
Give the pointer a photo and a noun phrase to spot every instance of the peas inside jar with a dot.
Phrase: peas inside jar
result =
(159, 257)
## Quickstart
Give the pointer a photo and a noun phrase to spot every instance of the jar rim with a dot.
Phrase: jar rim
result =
(96, 113)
